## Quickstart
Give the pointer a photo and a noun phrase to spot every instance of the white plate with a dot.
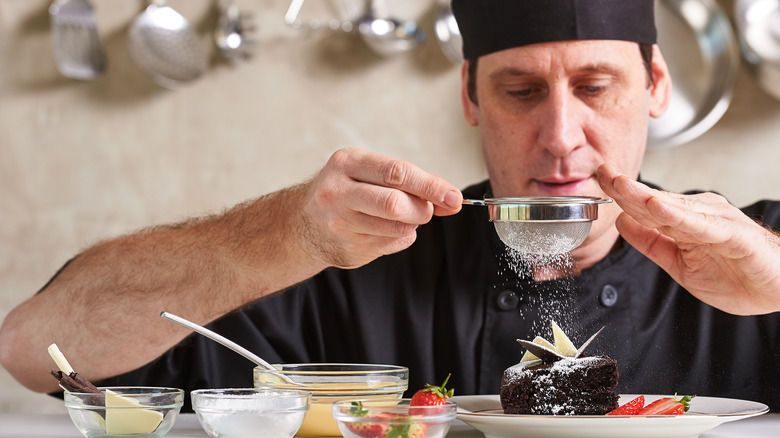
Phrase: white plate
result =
(483, 412)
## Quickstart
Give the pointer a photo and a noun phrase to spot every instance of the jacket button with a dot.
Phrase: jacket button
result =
(609, 296)
(508, 300)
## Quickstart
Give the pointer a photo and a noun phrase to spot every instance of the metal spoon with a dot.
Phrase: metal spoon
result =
(386, 35)
(229, 344)
(162, 42)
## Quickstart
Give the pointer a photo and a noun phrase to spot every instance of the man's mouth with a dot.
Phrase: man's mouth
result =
(565, 187)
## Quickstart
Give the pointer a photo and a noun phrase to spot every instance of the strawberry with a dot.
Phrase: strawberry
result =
(365, 429)
(408, 430)
(432, 395)
(630, 408)
(394, 426)
(368, 429)
(667, 406)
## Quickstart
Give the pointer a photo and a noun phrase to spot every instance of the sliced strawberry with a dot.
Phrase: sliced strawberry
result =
(631, 408)
(432, 395)
(407, 430)
(667, 406)
(368, 429)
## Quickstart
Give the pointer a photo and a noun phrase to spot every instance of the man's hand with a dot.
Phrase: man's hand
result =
(364, 205)
(710, 247)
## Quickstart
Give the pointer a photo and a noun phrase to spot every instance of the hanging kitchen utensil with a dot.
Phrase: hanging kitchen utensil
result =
(342, 20)
(386, 35)
(447, 33)
(544, 225)
(235, 32)
(162, 42)
(758, 28)
(78, 50)
(699, 46)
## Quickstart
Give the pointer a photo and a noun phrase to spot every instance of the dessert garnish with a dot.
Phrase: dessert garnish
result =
(630, 408)
(432, 395)
(668, 406)
(662, 406)
(69, 379)
(546, 352)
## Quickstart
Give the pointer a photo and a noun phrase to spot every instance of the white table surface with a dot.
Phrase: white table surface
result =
(59, 426)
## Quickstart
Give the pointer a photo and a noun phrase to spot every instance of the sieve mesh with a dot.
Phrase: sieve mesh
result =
(542, 237)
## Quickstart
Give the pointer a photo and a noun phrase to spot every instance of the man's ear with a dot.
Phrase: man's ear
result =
(661, 89)
(469, 108)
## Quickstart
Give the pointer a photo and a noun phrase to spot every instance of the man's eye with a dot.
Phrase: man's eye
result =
(522, 92)
(592, 89)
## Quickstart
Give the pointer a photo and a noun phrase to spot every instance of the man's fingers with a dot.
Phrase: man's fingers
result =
(387, 203)
(649, 241)
(401, 175)
(702, 218)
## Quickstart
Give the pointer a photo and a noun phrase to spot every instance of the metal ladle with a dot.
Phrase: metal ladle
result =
(386, 35)
(229, 344)
(544, 225)
(162, 42)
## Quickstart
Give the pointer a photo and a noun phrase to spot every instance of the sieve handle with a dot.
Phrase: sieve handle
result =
(473, 202)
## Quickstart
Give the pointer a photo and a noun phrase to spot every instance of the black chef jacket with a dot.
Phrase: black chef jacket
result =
(454, 303)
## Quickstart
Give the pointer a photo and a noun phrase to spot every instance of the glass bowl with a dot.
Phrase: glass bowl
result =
(331, 382)
(249, 413)
(124, 411)
(375, 419)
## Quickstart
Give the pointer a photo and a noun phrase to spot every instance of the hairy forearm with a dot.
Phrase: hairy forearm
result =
(103, 308)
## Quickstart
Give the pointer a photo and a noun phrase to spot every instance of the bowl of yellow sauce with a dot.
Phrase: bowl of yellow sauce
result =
(332, 382)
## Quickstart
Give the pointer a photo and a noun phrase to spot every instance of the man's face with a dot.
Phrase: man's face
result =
(549, 114)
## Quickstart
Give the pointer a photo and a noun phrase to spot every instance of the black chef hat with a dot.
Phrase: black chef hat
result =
(488, 26)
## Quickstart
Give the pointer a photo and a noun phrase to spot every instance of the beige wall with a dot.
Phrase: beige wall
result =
(81, 161)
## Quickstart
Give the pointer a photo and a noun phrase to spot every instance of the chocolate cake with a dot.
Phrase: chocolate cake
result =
(557, 379)
(581, 386)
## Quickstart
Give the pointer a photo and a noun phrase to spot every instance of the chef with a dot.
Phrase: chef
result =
(373, 259)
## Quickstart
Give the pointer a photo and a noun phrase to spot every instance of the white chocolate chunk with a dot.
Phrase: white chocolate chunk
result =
(120, 421)
(528, 356)
(59, 359)
(563, 344)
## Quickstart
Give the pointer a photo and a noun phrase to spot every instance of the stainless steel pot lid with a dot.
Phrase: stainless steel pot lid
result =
(698, 43)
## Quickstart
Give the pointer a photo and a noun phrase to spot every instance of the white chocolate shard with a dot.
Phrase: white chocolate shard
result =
(121, 421)
(59, 359)
(528, 356)
(563, 344)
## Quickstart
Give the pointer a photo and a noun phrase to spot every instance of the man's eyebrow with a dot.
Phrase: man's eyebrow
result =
(509, 71)
(606, 68)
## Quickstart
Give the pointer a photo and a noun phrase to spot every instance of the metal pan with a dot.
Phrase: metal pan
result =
(447, 33)
(699, 46)
(758, 30)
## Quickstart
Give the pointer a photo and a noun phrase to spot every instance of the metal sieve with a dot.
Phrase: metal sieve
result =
(544, 225)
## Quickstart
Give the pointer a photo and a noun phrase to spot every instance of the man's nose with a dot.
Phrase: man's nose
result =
(561, 127)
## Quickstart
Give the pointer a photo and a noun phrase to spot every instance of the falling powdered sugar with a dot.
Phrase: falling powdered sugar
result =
(542, 258)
